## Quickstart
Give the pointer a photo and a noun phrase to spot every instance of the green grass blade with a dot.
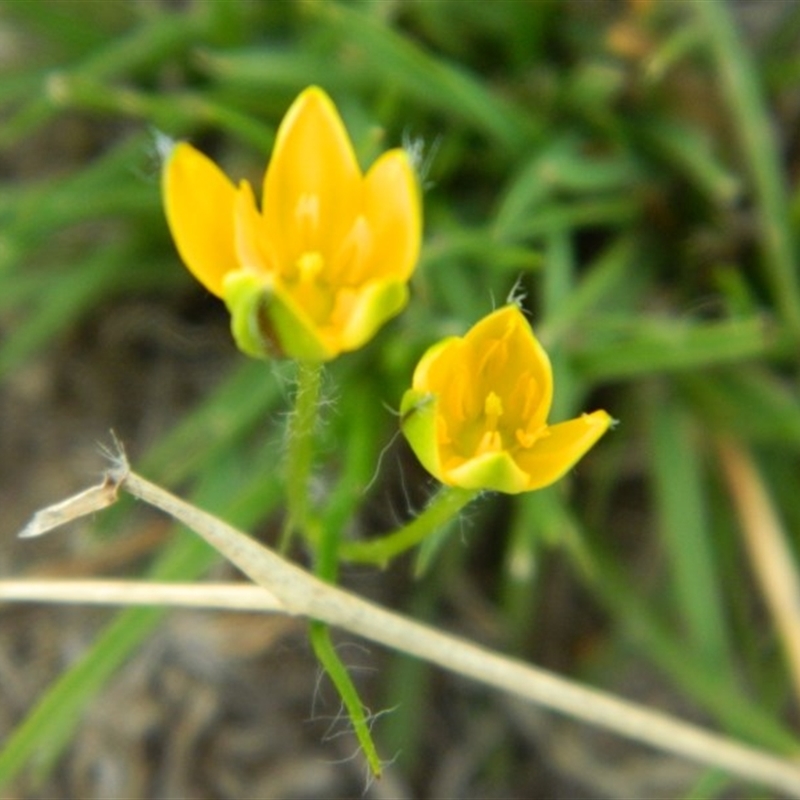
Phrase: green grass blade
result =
(237, 406)
(67, 298)
(751, 119)
(690, 151)
(681, 508)
(393, 59)
(615, 279)
(634, 348)
(752, 403)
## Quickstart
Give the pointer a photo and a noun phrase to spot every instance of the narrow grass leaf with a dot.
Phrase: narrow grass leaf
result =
(683, 524)
(740, 81)
(396, 60)
(615, 279)
(689, 151)
(648, 346)
(753, 403)
(65, 299)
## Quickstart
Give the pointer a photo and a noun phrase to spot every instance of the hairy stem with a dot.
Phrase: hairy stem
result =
(300, 451)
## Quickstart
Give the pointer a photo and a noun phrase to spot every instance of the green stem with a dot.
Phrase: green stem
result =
(325, 534)
(443, 508)
(326, 653)
(300, 451)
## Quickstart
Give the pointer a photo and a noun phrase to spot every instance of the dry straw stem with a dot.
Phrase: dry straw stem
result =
(206, 596)
(300, 594)
(770, 554)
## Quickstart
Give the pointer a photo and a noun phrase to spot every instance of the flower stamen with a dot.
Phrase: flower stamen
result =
(492, 410)
(527, 439)
(492, 440)
(309, 267)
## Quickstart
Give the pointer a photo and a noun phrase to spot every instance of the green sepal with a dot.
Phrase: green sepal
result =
(265, 324)
(418, 423)
(497, 472)
(246, 296)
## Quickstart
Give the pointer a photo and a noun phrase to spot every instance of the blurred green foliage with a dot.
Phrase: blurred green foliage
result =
(618, 163)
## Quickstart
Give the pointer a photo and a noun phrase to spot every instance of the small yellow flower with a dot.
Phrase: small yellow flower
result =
(325, 261)
(476, 415)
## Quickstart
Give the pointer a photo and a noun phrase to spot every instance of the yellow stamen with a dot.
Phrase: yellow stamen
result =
(309, 266)
(493, 410)
(528, 438)
(491, 442)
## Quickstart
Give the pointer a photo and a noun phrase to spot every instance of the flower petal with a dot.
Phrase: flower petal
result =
(253, 249)
(499, 368)
(561, 447)
(393, 212)
(199, 201)
(362, 313)
(436, 359)
(312, 187)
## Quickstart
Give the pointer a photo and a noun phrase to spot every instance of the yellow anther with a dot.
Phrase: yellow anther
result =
(492, 409)
(529, 438)
(309, 266)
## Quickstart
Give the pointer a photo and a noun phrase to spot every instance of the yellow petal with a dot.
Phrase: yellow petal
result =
(393, 213)
(312, 187)
(199, 201)
(561, 447)
(253, 249)
(368, 310)
(435, 362)
(502, 346)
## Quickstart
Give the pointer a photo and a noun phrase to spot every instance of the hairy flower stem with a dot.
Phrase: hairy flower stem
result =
(325, 651)
(300, 451)
(325, 537)
(300, 519)
(443, 508)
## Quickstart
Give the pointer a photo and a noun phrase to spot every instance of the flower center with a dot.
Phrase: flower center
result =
(492, 440)
(310, 288)
(309, 266)
(506, 426)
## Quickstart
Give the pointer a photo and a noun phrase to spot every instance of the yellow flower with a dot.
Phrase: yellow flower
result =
(476, 415)
(326, 260)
